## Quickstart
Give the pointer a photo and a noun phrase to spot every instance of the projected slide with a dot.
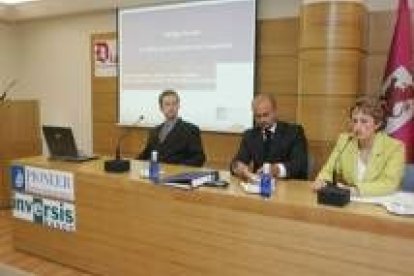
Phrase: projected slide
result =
(203, 50)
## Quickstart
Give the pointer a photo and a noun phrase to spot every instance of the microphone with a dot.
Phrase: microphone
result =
(335, 168)
(331, 194)
(119, 165)
(7, 90)
(123, 136)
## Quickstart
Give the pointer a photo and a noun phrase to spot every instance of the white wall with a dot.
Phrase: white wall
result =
(377, 5)
(54, 67)
(277, 8)
(8, 65)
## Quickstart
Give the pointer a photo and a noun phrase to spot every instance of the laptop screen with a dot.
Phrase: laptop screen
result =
(60, 141)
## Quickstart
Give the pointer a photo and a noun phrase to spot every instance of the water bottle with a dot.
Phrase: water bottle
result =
(154, 167)
(266, 181)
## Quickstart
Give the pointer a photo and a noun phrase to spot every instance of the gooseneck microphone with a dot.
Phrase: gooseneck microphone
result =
(338, 157)
(331, 194)
(119, 165)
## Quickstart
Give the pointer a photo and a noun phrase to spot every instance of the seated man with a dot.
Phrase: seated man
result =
(177, 141)
(281, 144)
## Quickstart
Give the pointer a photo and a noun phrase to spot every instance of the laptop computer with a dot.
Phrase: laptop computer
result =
(61, 144)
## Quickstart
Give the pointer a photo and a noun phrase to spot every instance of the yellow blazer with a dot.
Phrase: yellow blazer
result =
(384, 170)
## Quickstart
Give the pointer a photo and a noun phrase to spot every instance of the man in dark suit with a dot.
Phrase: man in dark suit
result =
(281, 144)
(177, 141)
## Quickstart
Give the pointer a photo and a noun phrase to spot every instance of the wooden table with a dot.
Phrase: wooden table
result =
(128, 226)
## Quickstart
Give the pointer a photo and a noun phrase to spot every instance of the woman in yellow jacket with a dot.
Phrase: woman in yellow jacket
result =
(367, 160)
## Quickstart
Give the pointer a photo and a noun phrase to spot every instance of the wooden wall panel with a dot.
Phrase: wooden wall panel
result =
(104, 131)
(104, 107)
(324, 128)
(277, 74)
(104, 85)
(319, 152)
(380, 29)
(287, 107)
(277, 63)
(220, 148)
(336, 24)
(377, 51)
(278, 36)
(4, 187)
(135, 142)
(338, 74)
(106, 137)
(374, 71)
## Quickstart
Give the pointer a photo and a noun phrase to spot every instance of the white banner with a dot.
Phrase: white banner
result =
(51, 183)
(52, 213)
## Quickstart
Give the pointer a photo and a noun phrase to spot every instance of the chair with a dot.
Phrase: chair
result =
(408, 180)
(311, 167)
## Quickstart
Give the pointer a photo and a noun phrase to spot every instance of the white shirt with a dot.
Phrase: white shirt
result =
(361, 168)
(281, 166)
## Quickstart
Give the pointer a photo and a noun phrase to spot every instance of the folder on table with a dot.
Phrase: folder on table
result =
(192, 179)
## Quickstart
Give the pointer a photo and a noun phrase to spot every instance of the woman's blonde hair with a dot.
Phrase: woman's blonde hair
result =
(371, 106)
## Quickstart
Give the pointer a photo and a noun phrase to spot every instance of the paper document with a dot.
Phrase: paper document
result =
(254, 188)
(400, 203)
(250, 188)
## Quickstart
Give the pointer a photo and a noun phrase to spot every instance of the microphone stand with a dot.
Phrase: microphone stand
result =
(119, 165)
(335, 169)
(331, 194)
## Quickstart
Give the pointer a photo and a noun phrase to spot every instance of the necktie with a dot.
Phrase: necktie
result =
(165, 129)
(267, 144)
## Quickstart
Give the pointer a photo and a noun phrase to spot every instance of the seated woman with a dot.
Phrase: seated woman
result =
(367, 161)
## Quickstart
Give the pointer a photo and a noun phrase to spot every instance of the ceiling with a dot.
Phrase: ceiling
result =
(48, 8)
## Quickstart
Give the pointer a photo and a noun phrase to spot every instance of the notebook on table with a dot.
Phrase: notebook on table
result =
(192, 179)
(62, 145)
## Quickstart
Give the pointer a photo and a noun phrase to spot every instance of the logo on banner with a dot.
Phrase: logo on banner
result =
(17, 175)
(398, 86)
(399, 95)
(52, 213)
(45, 182)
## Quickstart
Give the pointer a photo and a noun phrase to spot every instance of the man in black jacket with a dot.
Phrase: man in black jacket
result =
(177, 141)
(281, 144)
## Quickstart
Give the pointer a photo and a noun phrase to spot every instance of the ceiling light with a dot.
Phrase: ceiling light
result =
(14, 2)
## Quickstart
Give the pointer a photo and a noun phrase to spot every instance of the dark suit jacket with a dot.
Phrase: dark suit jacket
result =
(288, 146)
(182, 145)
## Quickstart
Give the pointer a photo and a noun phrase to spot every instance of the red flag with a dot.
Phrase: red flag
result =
(398, 88)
